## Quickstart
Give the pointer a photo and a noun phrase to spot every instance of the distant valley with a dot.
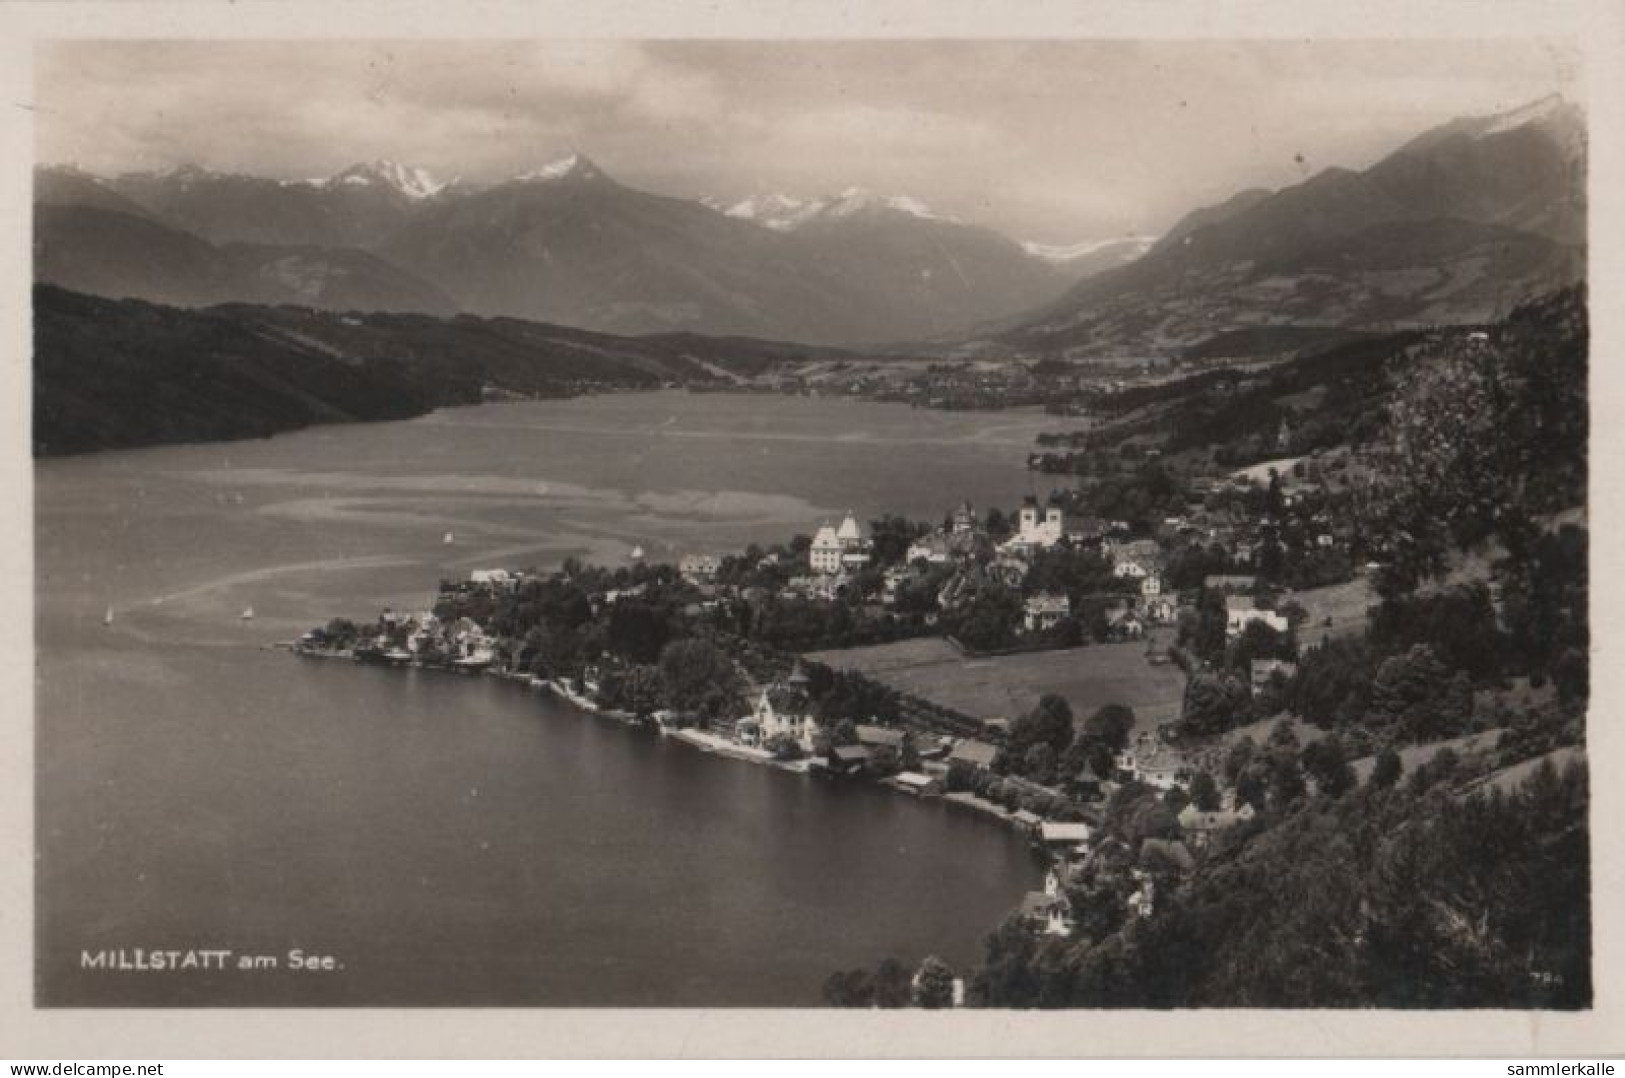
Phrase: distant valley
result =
(381, 292)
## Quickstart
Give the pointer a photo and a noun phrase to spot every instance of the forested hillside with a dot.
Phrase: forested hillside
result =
(1464, 883)
(1407, 895)
(120, 373)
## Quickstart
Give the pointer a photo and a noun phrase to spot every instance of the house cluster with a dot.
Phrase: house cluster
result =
(909, 760)
(699, 569)
(1303, 519)
(1142, 605)
(1083, 853)
(963, 545)
(1137, 562)
(1073, 387)
(1140, 562)
(959, 559)
(1291, 526)
(463, 640)
(954, 542)
(483, 582)
(1262, 519)
(418, 639)
(1133, 876)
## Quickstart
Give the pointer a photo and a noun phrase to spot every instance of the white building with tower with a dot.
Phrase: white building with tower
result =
(839, 549)
(782, 710)
(1040, 527)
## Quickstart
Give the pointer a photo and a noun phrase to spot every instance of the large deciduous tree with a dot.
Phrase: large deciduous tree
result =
(934, 985)
(699, 678)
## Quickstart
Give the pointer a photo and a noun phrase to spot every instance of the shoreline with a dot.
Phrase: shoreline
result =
(716, 745)
(36, 457)
(701, 740)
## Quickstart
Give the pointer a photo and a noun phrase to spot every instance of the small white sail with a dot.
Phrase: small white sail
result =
(450, 539)
(248, 613)
(107, 619)
(637, 553)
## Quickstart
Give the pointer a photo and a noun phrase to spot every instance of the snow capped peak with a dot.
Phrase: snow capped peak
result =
(910, 205)
(1131, 247)
(782, 213)
(414, 183)
(861, 199)
(786, 213)
(184, 171)
(763, 205)
(576, 166)
(850, 201)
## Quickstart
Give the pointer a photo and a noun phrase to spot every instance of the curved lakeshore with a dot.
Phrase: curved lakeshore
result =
(704, 741)
(451, 840)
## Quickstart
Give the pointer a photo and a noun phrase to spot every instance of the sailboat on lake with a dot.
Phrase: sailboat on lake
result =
(107, 618)
(248, 613)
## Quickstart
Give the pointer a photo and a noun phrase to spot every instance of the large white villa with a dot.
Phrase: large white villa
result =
(781, 711)
(842, 549)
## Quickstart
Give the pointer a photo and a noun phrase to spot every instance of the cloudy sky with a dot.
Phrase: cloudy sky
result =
(1054, 141)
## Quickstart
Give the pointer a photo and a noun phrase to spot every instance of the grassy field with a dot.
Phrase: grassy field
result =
(1414, 756)
(1510, 778)
(1005, 686)
(1334, 611)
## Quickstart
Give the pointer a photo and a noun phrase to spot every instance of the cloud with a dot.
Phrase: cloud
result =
(862, 128)
(1056, 140)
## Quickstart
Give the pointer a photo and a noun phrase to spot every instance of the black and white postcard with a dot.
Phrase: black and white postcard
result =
(814, 526)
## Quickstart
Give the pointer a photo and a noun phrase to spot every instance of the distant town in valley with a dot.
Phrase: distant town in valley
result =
(1275, 653)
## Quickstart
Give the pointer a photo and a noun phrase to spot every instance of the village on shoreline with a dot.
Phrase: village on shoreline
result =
(1153, 672)
(970, 573)
(1054, 787)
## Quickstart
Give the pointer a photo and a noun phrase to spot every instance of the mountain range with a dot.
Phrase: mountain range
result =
(1458, 225)
(565, 243)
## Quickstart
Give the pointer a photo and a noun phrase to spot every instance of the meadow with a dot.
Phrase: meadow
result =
(1004, 686)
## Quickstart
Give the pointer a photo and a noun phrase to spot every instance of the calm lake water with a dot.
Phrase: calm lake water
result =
(461, 841)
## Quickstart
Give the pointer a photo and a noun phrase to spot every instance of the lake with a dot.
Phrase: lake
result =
(453, 840)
